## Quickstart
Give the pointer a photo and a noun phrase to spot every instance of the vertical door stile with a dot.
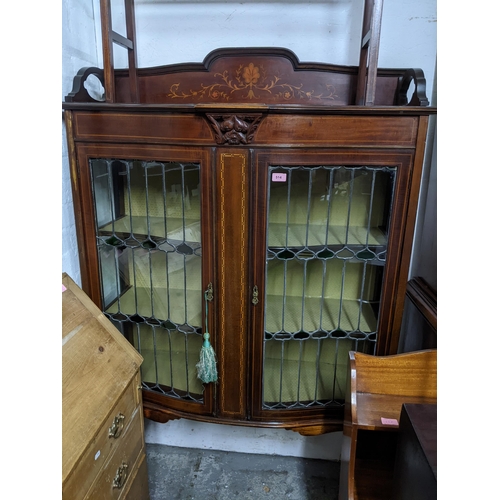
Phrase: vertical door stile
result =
(393, 286)
(258, 269)
(209, 259)
(232, 225)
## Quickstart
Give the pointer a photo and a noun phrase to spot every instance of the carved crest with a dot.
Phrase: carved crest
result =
(234, 129)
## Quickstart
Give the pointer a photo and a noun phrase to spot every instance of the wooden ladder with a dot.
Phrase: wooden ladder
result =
(368, 58)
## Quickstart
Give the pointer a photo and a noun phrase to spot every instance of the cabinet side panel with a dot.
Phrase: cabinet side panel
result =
(408, 210)
(232, 227)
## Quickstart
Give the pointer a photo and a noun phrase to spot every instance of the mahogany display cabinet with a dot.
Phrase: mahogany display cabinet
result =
(253, 196)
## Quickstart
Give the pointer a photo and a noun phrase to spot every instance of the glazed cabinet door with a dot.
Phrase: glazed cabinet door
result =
(323, 269)
(149, 248)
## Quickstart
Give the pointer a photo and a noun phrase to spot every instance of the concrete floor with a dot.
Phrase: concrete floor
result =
(186, 474)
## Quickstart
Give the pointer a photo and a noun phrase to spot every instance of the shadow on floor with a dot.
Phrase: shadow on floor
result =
(185, 473)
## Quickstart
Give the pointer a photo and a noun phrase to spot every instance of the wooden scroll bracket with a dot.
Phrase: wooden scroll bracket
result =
(79, 93)
(418, 97)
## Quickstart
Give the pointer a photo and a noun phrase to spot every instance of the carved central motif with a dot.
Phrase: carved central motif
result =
(249, 82)
(234, 129)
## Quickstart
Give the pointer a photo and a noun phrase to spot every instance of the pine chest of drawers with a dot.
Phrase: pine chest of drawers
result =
(103, 455)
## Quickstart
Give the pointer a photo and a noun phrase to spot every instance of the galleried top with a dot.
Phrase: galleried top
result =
(267, 76)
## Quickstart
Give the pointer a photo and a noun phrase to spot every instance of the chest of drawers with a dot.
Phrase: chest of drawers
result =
(103, 455)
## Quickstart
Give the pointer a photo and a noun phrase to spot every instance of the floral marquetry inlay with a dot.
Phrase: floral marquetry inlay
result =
(250, 82)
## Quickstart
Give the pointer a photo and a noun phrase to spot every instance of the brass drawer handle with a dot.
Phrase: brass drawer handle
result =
(121, 476)
(117, 426)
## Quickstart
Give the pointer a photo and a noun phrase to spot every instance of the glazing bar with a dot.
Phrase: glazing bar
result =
(304, 279)
(117, 277)
(301, 348)
(167, 277)
(308, 218)
(148, 221)
(167, 291)
(183, 201)
(281, 371)
(111, 194)
(151, 286)
(393, 171)
(344, 264)
(134, 273)
(304, 284)
(129, 190)
(172, 384)
(164, 194)
(318, 354)
(323, 283)
(330, 186)
(362, 293)
(155, 354)
(289, 191)
(370, 211)
(187, 363)
(285, 270)
(285, 267)
(322, 301)
(335, 368)
(351, 190)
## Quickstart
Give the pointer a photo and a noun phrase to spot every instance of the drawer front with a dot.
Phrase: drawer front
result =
(121, 468)
(139, 484)
(102, 446)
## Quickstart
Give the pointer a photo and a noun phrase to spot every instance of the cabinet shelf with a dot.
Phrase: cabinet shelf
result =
(310, 235)
(313, 314)
(178, 306)
(372, 407)
(175, 230)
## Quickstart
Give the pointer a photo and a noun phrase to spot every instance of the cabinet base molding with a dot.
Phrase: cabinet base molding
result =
(309, 428)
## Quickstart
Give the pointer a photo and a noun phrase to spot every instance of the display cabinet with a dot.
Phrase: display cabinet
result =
(249, 196)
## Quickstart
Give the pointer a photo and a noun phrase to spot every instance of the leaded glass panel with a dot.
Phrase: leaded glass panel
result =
(327, 229)
(149, 244)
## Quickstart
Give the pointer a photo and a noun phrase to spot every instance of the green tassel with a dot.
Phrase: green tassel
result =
(207, 369)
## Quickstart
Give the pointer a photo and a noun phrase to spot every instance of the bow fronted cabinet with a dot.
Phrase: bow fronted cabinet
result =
(251, 196)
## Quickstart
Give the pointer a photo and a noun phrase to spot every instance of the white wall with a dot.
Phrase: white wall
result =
(79, 50)
(191, 434)
(171, 31)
